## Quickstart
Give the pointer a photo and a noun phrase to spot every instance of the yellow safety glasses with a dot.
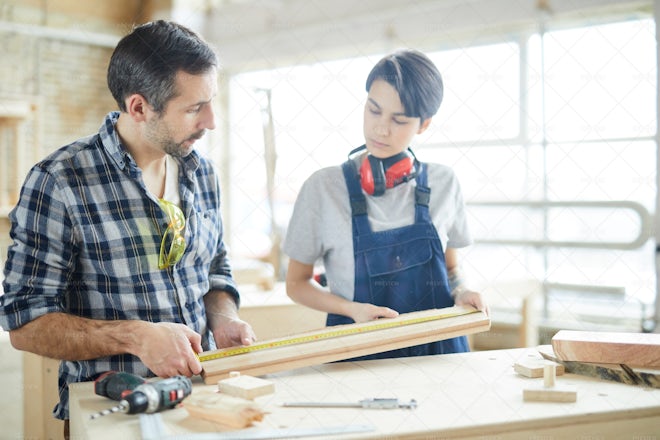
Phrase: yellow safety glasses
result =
(173, 244)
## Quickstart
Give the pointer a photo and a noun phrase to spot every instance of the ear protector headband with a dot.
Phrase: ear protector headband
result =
(377, 175)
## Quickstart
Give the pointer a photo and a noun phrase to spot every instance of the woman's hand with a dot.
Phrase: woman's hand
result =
(465, 297)
(363, 312)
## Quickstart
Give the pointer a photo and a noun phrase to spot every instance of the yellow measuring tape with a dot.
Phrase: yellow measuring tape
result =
(379, 324)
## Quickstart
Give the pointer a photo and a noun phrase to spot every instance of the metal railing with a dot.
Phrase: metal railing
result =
(645, 229)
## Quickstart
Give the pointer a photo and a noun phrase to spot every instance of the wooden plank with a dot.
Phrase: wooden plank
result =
(631, 349)
(40, 395)
(286, 357)
(612, 372)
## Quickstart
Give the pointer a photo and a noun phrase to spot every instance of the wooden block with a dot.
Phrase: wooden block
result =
(534, 367)
(364, 338)
(246, 387)
(555, 394)
(631, 349)
(223, 409)
(550, 392)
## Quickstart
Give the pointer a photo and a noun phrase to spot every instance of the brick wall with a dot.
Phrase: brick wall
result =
(53, 79)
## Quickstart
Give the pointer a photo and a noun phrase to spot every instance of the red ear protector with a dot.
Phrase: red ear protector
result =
(377, 175)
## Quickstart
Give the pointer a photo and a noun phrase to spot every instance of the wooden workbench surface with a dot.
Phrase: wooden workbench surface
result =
(469, 395)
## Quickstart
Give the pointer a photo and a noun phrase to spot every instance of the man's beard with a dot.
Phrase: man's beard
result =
(177, 149)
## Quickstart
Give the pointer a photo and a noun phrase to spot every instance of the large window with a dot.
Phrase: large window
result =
(551, 136)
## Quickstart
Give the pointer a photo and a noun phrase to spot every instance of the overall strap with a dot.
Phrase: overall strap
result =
(357, 199)
(422, 196)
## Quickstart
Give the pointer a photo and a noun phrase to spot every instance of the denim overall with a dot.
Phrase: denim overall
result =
(403, 268)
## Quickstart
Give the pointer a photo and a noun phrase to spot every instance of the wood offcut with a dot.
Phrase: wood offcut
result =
(631, 349)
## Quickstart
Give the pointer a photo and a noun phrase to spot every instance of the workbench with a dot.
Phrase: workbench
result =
(467, 395)
(270, 313)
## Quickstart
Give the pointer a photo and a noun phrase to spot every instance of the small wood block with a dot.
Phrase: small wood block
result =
(555, 394)
(550, 392)
(223, 409)
(534, 367)
(246, 387)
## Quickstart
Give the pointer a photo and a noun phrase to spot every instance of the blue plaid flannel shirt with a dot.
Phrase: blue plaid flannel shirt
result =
(86, 236)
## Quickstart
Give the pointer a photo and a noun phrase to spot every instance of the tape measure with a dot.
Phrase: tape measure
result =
(379, 324)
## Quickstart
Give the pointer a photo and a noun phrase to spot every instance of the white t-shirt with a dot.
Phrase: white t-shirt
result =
(320, 227)
(171, 193)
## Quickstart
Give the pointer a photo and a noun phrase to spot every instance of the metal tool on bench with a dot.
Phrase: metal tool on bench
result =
(373, 403)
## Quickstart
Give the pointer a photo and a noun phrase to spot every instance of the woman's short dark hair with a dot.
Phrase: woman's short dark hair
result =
(147, 60)
(415, 78)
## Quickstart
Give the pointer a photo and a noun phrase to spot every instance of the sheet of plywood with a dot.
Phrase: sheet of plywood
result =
(631, 349)
(360, 341)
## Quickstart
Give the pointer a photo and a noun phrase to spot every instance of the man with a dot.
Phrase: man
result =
(118, 260)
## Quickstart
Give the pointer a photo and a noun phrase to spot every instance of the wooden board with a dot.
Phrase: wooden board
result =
(360, 343)
(631, 349)
(612, 372)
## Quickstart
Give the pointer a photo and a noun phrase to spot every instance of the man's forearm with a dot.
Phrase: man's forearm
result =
(69, 337)
(219, 304)
(223, 320)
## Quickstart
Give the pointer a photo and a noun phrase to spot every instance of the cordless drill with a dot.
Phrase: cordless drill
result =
(136, 395)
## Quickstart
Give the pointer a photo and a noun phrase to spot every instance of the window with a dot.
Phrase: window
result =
(567, 119)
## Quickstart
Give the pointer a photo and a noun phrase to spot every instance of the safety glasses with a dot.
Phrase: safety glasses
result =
(173, 244)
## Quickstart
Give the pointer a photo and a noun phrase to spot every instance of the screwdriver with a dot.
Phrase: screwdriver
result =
(148, 397)
(374, 403)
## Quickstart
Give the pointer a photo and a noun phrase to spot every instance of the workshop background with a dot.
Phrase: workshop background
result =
(549, 120)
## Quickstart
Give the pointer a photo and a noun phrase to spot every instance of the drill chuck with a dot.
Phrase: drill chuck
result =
(137, 402)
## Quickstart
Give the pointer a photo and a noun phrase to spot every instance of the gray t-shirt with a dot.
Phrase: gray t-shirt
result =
(320, 227)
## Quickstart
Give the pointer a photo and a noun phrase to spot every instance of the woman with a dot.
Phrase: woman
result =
(385, 225)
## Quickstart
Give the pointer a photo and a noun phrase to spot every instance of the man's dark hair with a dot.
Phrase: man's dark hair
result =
(415, 78)
(147, 60)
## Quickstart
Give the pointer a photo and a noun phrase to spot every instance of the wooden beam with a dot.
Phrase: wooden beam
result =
(612, 372)
(348, 341)
(631, 349)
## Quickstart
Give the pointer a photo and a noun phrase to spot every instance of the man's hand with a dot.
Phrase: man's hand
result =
(165, 348)
(222, 317)
(169, 349)
(231, 330)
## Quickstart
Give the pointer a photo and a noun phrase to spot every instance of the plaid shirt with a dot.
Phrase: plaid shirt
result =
(86, 237)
